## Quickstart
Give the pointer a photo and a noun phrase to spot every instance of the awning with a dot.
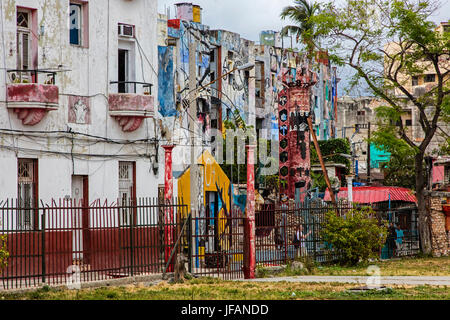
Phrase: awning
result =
(375, 194)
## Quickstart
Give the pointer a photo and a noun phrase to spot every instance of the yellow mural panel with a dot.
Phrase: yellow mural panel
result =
(213, 177)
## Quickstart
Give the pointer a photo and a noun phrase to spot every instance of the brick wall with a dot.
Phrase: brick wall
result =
(440, 237)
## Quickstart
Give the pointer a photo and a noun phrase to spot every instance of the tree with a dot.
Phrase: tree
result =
(301, 14)
(356, 236)
(386, 42)
(332, 151)
(400, 169)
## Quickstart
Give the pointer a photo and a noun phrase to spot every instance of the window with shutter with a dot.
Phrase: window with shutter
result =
(75, 24)
(23, 42)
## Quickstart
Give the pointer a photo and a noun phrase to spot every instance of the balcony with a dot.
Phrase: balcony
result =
(31, 101)
(130, 108)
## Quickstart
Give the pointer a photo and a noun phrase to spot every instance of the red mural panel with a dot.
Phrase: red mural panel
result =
(299, 142)
(295, 167)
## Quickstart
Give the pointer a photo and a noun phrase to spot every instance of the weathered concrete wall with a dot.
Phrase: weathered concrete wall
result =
(83, 74)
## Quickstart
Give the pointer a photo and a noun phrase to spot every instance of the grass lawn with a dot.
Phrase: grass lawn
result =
(400, 267)
(213, 289)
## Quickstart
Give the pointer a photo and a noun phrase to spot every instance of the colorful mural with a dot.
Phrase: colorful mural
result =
(293, 112)
(167, 106)
(214, 180)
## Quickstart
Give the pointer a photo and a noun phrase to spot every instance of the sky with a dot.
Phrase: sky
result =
(250, 17)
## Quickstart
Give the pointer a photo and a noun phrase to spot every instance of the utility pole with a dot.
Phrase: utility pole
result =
(369, 180)
(194, 190)
(322, 164)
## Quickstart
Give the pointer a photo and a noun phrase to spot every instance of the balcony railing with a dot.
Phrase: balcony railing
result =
(31, 76)
(128, 106)
(31, 100)
(131, 86)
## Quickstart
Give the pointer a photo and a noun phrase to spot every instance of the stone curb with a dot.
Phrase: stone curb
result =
(95, 284)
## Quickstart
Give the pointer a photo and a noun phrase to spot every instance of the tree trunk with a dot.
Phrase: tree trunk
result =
(424, 217)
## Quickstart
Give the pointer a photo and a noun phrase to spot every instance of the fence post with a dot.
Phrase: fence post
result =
(250, 261)
(43, 244)
(133, 205)
(314, 226)
(190, 241)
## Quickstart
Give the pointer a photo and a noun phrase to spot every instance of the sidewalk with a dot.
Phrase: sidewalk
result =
(392, 280)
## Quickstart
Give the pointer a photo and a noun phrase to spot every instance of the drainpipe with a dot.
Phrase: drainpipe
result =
(250, 256)
(168, 211)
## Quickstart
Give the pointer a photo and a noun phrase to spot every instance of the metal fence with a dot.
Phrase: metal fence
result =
(67, 241)
(218, 245)
(277, 225)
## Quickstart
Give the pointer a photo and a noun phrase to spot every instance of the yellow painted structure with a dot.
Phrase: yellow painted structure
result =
(212, 174)
(197, 13)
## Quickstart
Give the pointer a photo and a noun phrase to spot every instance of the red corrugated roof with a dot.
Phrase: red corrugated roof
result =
(375, 194)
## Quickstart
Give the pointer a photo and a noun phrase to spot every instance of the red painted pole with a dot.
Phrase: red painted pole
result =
(250, 261)
(168, 212)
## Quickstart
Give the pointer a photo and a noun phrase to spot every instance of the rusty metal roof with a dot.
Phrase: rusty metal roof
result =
(375, 194)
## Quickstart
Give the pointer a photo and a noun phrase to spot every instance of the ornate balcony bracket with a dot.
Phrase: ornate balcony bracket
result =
(130, 110)
(32, 101)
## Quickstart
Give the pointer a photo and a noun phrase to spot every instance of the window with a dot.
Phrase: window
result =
(127, 191)
(447, 174)
(23, 40)
(230, 79)
(123, 71)
(79, 23)
(75, 24)
(408, 122)
(27, 194)
(415, 81)
(429, 78)
(126, 70)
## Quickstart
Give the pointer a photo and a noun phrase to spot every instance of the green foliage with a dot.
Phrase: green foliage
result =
(384, 40)
(330, 150)
(318, 181)
(304, 28)
(356, 237)
(4, 254)
(400, 170)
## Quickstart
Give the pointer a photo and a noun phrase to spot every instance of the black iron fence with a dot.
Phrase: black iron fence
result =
(218, 245)
(286, 232)
(70, 242)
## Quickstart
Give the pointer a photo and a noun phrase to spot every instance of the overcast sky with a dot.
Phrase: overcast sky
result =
(250, 17)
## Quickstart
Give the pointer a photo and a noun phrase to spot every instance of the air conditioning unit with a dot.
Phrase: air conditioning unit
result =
(20, 77)
(126, 30)
(171, 42)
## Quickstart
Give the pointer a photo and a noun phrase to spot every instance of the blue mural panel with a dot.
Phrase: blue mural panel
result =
(166, 100)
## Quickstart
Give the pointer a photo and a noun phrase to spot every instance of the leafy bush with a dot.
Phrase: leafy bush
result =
(356, 236)
(3, 253)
